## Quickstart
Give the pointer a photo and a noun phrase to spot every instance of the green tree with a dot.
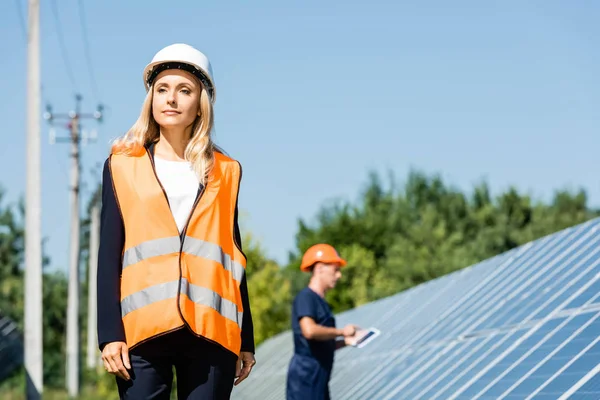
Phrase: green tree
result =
(268, 290)
(11, 260)
(12, 296)
(397, 236)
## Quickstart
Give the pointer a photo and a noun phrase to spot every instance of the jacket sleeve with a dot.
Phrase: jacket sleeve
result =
(247, 324)
(112, 240)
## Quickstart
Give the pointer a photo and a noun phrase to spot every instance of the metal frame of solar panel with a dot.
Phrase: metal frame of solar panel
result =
(11, 347)
(522, 325)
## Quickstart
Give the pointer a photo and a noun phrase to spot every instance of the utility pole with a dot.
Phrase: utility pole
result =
(74, 118)
(33, 211)
(92, 343)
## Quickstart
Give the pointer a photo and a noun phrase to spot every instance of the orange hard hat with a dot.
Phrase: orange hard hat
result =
(320, 253)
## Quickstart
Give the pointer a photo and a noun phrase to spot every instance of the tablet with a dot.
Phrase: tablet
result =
(367, 337)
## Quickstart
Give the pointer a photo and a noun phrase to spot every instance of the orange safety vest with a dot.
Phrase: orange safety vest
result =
(170, 280)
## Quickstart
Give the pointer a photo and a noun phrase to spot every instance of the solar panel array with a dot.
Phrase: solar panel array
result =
(11, 347)
(522, 325)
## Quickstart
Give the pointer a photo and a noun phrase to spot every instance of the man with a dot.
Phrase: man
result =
(313, 325)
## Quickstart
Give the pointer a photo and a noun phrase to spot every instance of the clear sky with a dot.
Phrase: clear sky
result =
(312, 95)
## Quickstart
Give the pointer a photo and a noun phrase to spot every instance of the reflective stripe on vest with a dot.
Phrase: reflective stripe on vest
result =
(199, 248)
(197, 294)
(168, 282)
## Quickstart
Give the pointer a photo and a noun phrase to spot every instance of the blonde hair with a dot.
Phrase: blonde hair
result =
(200, 148)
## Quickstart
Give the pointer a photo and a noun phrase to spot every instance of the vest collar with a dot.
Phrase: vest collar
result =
(150, 147)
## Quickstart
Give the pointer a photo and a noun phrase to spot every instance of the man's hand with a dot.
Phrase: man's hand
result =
(350, 340)
(349, 330)
(116, 359)
(243, 366)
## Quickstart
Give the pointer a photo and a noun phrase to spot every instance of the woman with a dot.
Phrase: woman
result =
(172, 287)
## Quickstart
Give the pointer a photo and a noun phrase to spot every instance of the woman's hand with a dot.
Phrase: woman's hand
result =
(116, 359)
(243, 366)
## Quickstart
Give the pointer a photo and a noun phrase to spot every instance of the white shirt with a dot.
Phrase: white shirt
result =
(181, 184)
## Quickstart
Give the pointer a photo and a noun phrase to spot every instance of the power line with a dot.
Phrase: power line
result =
(63, 48)
(86, 47)
(21, 19)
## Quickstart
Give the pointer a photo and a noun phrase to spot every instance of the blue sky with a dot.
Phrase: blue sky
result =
(313, 95)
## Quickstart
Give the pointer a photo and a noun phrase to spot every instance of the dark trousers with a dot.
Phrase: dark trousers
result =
(307, 379)
(204, 370)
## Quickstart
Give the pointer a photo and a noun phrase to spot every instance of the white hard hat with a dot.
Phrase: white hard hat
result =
(181, 56)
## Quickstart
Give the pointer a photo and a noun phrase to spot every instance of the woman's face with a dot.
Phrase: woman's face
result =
(176, 99)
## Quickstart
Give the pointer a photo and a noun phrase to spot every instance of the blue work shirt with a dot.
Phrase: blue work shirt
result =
(309, 304)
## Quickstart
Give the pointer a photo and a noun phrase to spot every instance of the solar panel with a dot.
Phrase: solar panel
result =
(522, 325)
(11, 347)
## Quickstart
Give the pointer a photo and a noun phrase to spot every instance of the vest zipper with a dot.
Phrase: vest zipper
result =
(182, 237)
(183, 232)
